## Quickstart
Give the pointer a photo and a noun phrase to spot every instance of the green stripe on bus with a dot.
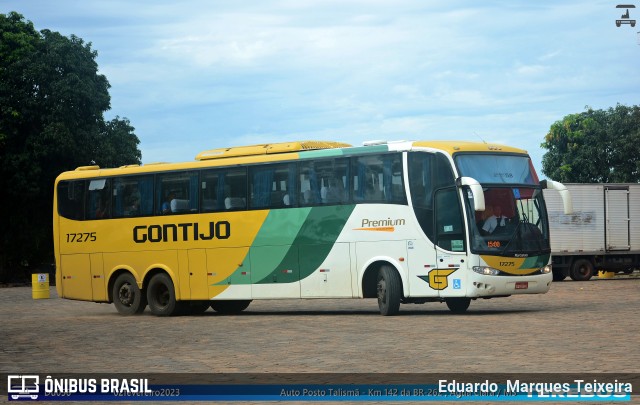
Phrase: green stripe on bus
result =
(272, 244)
(313, 154)
(320, 153)
(281, 227)
(316, 237)
(535, 262)
(366, 149)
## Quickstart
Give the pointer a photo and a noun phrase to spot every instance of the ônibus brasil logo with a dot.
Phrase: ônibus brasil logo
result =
(23, 386)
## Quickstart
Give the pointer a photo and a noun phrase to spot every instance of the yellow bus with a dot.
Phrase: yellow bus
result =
(403, 222)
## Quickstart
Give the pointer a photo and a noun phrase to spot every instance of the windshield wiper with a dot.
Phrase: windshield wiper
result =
(518, 234)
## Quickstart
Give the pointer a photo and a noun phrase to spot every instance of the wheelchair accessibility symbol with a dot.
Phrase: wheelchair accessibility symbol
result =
(457, 284)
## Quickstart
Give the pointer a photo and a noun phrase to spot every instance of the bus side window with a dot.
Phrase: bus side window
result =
(367, 184)
(177, 193)
(71, 199)
(98, 201)
(421, 187)
(209, 192)
(270, 184)
(378, 178)
(308, 185)
(133, 196)
(394, 179)
(231, 192)
(332, 181)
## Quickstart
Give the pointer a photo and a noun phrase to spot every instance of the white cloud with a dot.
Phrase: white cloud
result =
(531, 70)
(549, 56)
(222, 73)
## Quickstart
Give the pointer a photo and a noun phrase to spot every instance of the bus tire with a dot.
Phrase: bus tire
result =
(559, 275)
(582, 270)
(161, 295)
(230, 307)
(458, 305)
(389, 288)
(127, 297)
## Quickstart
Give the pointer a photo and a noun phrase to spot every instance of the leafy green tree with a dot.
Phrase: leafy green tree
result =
(52, 101)
(595, 146)
(116, 144)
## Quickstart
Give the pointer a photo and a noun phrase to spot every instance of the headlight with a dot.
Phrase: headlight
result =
(546, 269)
(485, 270)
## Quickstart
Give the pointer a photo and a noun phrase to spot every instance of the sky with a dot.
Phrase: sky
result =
(194, 75)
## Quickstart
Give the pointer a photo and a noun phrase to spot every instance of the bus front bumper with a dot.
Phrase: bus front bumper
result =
(486, 286)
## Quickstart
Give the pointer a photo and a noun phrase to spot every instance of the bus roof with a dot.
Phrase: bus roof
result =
(452, 147)
(269, 148)
(289, 151)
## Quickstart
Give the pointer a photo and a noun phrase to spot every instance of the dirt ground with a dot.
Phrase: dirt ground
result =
(578, 327)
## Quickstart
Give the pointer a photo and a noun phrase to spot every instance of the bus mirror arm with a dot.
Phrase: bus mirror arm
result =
(476, 191)
(567, 202)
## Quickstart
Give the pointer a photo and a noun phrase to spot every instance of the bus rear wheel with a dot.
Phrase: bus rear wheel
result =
(582, 270)
(458, 305)
(389, 290)
(230, 307)
(127, 297)
(162, 295)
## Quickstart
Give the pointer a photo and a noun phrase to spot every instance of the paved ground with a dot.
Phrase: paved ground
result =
(576, 327)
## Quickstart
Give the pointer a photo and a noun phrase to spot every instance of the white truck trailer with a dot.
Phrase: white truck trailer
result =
(603, 233)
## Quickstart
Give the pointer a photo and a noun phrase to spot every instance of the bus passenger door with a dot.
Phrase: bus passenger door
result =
(449, 227)
(325, 271)
(437, 262)
(76, 276)
(450, 280)
(434, 272)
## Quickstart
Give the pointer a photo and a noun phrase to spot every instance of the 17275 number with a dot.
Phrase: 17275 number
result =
(81, 237)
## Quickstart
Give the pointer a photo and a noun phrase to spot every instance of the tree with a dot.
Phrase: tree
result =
(52, 101)
(116, 144)
(595, 146)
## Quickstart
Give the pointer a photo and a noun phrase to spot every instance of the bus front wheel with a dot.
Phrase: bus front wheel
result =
(458, 305)
(127, 297)
(161, 295)
(389, 290)
(559, 275)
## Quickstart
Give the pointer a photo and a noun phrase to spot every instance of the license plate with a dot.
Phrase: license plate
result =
(522, 285)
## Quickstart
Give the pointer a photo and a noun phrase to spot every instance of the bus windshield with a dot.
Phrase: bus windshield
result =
(513, 223)
(497, 169)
